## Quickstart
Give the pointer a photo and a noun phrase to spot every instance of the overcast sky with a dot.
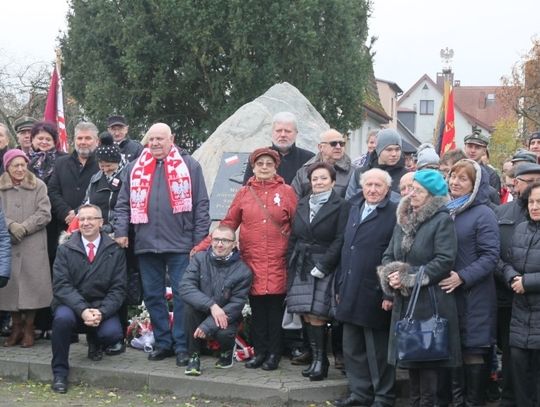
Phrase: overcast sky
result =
(487, 36)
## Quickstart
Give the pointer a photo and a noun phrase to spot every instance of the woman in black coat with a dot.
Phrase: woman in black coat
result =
(313, 256)
(523, 275)
(424, 236)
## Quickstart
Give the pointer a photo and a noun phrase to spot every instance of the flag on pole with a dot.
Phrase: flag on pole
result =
(54, 109)
(445, 132)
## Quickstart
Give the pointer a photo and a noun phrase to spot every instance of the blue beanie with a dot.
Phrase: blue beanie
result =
(433, 181)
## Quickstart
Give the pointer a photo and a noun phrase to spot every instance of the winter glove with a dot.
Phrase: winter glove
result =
(315, 272)
(18, 232)
(3, 281)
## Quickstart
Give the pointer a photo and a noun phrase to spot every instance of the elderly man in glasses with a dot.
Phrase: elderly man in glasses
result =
(215, 287)
(331, 151)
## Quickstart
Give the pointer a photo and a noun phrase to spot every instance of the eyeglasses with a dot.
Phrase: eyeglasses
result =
(89, 218)
(334, 143)
(528, 181)
(418, 191)
(218, 240)
(269, 164)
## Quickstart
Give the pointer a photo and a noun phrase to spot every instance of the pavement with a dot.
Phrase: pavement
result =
(132, 371)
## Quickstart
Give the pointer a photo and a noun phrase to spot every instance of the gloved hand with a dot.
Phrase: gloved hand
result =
(3, 281)
(18, 232)
(315, 272)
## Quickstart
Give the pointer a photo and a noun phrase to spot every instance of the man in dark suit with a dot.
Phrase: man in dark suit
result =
(362, 307)
(89, 286)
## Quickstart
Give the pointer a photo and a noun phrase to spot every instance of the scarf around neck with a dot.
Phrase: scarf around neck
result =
(316, 201)
(142, 176)
(42, 163)
(457, 203)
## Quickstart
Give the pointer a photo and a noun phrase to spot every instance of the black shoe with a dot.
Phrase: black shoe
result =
(193, 366)
(226, 360)
(271, 362)
(116, 349)
(182, 359)
(94, 351)
(59, 384)
(160, 354)
(349, 401)
(300, 357)
(256, 361)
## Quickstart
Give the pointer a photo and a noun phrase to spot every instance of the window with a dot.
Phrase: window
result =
(426, 106)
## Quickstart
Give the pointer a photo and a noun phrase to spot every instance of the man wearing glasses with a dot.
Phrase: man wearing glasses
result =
(331, 151)
(215, 288)
(89, 286)
(387, 157)
(509, 216)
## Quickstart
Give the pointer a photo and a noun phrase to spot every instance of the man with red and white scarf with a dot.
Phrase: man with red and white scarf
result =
(165, 198)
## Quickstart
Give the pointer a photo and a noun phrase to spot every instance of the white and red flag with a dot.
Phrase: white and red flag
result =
(54, 109)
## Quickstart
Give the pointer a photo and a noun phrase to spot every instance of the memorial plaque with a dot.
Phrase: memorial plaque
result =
(228, 181)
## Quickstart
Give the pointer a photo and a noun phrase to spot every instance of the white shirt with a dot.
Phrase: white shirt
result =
(368, 208)
(95, 242)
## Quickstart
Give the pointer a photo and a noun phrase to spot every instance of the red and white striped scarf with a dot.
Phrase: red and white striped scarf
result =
(178, 181)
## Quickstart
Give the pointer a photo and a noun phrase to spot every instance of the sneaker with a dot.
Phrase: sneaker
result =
(225, 360)
(193, 367)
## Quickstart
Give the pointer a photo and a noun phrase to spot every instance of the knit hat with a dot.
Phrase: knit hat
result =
(107, 150)
(12, 154)
(534, 136)
(387, 137)
(264, 151)
(426, 156)
(523, 155)
(433, 181)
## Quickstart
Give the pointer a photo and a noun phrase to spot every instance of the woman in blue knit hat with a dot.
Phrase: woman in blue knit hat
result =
(424, 236)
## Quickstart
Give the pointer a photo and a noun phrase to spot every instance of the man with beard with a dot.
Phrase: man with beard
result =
(72, 173)
(284, 132)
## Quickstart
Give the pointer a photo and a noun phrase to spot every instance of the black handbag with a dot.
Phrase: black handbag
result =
(422, 340)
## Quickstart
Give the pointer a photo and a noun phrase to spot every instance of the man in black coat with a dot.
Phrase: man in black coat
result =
(387, 156)
(72, 174)
(89, 286)
(509, 216)
(214, 288)
(130, 149)
(284, 133)
(362, 307)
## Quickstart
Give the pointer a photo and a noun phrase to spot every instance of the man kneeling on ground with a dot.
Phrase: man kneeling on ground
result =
(89, 286)
(215, 289)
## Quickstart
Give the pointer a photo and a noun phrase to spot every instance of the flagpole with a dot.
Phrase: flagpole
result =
(58, 52)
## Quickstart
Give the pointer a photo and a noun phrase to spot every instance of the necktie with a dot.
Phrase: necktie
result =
(91, 253)
(367, 211)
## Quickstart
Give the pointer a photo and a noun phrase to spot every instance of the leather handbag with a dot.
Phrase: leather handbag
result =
(291, 320)
(422, 340)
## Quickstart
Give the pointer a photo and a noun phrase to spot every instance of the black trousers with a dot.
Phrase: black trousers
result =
(423, 387)
(193, 318)
(525, 375)
(371, 378)
(266, 316)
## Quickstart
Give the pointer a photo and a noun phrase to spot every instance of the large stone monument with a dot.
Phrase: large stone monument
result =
(223, 156)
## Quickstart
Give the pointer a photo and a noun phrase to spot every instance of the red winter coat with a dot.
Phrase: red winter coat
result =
(263, 242)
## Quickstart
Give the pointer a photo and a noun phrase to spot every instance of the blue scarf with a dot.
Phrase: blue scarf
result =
(457, 203)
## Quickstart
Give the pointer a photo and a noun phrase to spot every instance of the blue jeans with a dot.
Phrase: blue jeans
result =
(153, 272)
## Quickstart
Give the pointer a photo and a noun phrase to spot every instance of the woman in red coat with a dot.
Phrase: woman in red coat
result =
(263, 209)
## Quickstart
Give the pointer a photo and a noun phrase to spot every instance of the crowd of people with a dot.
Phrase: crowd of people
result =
(339, 242)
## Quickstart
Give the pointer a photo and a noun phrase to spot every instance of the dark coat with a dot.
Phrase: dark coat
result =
(130, 149)
(478, 254)
(104, 193)
(79, 284)
(208, 281)
(395, 171)
(509, 216)
(429, 240)
(525, 261)
(289, 165)
(68, 183)
(316, 243)
(360, 293)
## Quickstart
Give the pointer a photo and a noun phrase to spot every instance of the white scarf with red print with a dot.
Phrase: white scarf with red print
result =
(178, 181)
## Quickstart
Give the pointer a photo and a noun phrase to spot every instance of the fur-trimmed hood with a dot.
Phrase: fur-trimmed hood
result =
(29, 182)
(410, 221)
